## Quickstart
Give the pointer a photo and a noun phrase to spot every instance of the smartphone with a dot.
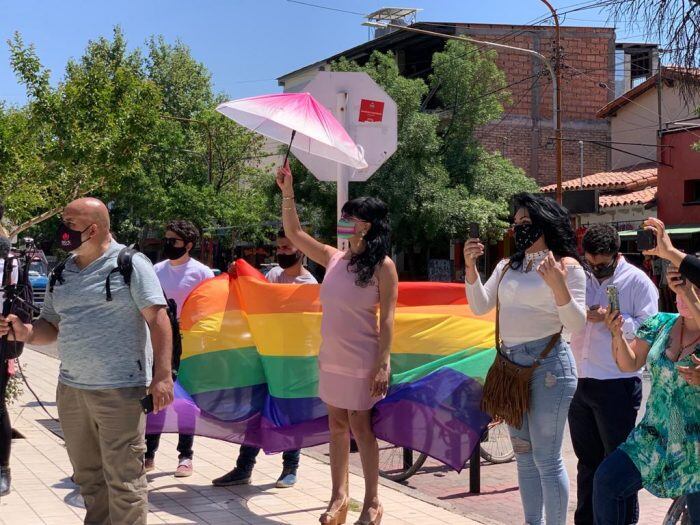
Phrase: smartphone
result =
(646, 240)
(594, 307)
(613, 298)
(147, 404)
(474, 230)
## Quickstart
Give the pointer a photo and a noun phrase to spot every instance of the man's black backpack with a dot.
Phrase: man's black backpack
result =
(125, 268)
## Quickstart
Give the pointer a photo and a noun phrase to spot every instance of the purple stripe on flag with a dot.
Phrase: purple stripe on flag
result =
(438, 415)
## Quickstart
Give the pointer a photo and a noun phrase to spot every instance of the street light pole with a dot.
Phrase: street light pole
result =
(556, 117)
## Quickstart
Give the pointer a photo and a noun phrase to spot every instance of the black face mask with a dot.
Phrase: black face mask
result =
(603, 272)
(288, 260)
(70, 240)
(171, 251)
(526, 235)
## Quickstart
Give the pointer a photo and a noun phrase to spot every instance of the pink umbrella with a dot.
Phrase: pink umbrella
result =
(299, 119)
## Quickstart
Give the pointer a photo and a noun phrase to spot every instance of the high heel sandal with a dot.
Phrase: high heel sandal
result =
(335, 518)
(377, 519)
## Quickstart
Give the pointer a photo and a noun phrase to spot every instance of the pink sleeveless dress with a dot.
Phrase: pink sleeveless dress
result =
(350, 338)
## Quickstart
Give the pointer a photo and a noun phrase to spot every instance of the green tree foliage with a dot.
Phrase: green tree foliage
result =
(136, 128)
(440, 178)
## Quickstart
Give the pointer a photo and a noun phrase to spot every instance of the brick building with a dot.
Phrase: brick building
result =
(524, 133)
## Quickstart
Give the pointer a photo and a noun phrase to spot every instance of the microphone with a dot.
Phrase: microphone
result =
(5, 247)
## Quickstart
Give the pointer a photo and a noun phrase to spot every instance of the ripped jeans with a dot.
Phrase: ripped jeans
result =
(541, 473)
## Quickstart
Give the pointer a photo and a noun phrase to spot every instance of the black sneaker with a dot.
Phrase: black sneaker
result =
(5, 481)
(236, 477)
(287, 479)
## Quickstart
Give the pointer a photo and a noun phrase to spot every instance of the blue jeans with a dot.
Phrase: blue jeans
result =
(615, 481)
(537, 445)
(247, 455)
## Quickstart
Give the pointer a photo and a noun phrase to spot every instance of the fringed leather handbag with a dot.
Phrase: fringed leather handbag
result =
(506, 394)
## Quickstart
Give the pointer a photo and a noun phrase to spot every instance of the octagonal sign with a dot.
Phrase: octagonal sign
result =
(368, 114)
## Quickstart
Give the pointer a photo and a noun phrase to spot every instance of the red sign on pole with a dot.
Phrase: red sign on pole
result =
(371, 110)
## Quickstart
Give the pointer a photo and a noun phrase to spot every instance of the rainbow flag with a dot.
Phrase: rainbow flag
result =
(249, 371)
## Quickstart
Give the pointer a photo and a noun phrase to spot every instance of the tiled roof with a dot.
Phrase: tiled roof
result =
(630, 179)
(644, 196)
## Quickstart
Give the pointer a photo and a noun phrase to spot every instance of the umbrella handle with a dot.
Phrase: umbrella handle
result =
(294, 132)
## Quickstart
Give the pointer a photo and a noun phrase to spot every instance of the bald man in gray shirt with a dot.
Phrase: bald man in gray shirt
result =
(107, 345)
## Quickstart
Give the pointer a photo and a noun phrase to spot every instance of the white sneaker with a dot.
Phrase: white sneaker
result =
(184, 468)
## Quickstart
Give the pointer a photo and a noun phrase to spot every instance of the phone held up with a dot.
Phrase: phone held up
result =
(646, 240)
(613, 298)
(147, 404)
(474, 230)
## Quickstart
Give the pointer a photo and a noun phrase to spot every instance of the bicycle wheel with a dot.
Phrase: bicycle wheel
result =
(677, 513)
(497, 448)
(396, 465)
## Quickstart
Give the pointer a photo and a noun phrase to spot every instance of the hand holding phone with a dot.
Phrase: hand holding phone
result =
(474, 230)
(613, 298)
(147, 404)
(646, 240)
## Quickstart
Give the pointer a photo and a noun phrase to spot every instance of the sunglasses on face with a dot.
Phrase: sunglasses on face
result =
(351, 218)
(170, 241)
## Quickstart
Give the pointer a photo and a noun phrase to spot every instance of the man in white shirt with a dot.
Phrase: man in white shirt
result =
(178, 274)
(290, 271)
(604, 408)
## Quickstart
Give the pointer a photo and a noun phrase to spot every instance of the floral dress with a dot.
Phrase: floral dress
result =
(665, 445)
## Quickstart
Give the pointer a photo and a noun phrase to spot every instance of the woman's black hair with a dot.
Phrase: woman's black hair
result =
(377, 245)
(559, 235)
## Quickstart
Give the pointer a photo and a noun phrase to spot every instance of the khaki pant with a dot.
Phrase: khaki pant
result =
(104, 431)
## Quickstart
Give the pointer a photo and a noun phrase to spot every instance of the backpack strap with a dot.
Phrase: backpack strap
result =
(124, 267)
(57, 273)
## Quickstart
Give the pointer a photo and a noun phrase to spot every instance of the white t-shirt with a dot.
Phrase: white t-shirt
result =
(179, 281)
(277, 276)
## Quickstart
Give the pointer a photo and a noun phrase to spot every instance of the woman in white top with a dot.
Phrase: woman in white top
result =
(541, 293)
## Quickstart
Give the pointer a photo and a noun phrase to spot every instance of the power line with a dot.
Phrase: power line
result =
(318, 6)
(510, 110)
(253, 81)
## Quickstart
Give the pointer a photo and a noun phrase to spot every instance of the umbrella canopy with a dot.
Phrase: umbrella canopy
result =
(316, 130)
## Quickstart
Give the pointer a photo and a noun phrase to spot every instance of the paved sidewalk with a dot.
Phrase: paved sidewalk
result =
(43, 493)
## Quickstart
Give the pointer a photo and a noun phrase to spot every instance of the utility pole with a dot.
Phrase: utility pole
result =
(580, 154)
(551, 65)
(557, 96)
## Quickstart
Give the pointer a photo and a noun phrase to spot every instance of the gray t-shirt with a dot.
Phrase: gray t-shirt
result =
(104, 344)
(277, 276)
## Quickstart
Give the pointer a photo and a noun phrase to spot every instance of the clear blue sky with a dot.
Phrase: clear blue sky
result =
(245, 44)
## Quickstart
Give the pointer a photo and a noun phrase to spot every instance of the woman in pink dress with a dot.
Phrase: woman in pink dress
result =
(354, 356)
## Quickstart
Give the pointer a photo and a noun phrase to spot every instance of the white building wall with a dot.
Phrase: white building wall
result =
(632, 215)
(638, 122)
